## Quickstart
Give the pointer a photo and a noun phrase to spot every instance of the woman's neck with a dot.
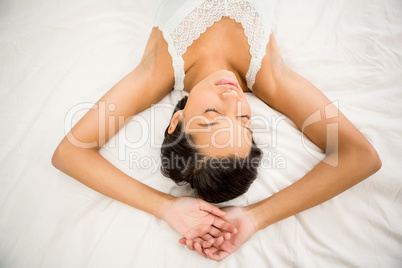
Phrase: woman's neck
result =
(223, 46)
(203, 69)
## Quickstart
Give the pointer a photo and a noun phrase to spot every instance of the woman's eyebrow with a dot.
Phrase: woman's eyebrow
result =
(215, 123)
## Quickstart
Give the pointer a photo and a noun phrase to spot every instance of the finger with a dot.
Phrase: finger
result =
(197, 240)
(226, 236)
(218, 242)
(182, 241)
(208, 244)
(215, 232)
(190, 244)
(211, 208)
(199, 250)
(208, 241)
(228, 247)
(224, 226)
(217, 256)
(207, 237)
(200, 230)
(205, 243)
(213, 249)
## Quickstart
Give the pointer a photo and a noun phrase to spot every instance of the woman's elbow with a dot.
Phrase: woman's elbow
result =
(363, 158)
(57, 156)
(369, 159)
(375, 160)
(61, 154)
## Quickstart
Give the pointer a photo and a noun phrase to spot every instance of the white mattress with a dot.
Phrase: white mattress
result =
(58, 56)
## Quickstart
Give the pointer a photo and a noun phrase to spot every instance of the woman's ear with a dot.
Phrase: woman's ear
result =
(176, 118)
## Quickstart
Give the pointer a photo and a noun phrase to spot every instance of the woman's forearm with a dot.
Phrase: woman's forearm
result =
(350, 157)
(190, 217)
(90, 168)
(322, 183)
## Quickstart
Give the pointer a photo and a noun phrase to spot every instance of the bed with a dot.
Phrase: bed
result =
(59, 57)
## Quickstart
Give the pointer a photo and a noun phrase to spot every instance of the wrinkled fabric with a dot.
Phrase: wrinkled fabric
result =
(59, 57)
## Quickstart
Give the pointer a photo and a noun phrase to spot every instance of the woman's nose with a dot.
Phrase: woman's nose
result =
(232, 103)
(231, 95)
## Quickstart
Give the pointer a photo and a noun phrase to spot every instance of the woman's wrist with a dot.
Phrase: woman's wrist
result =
(164, 203)
(258, 215)
(253, 213)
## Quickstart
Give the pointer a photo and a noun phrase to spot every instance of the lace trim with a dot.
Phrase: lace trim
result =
(193, 19)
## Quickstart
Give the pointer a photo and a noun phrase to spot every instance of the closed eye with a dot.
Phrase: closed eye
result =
(212, 110)
(246, 116)
(216, 111)
(214, 123)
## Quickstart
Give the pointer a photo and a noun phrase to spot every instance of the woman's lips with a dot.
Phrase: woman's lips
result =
(228, 81)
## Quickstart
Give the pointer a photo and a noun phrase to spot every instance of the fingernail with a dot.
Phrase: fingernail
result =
(188, 244)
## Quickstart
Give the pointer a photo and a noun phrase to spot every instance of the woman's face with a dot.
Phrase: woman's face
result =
(217, 115)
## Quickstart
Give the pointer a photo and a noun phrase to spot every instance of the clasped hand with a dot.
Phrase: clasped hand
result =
(212, 232)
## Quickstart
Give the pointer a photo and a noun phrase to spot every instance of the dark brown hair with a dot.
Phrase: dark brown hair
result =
(214, 179)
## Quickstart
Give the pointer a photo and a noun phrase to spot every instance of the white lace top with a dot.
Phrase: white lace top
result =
(182, 22)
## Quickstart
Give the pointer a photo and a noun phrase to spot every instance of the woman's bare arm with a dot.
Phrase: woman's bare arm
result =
(350, 158)
(134, 93)
(147, 84)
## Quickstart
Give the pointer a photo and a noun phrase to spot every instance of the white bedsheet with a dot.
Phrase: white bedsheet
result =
(58, 56)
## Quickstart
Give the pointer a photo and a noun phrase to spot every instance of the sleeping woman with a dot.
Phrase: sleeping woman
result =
(216, 51)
